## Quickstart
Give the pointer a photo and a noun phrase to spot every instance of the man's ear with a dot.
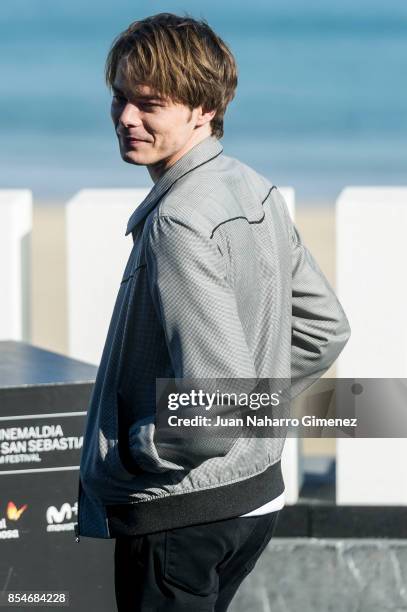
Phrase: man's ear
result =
(204, 116)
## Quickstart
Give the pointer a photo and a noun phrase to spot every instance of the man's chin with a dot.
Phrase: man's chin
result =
(133, 158)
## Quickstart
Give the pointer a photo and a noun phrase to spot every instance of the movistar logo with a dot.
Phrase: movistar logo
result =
(63, 514)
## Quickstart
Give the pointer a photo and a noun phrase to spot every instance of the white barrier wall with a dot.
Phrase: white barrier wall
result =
(291, 459)
(15, 266)
(371, 283)
(97, 252)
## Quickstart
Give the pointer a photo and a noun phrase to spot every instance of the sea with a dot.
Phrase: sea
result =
(321, 102)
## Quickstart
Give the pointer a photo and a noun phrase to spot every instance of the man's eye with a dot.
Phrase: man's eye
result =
(147, 105)
(143, 105)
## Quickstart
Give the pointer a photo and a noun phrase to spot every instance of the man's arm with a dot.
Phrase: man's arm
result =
(319, 328)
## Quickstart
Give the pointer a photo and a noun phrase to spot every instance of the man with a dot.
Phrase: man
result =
(218, 285)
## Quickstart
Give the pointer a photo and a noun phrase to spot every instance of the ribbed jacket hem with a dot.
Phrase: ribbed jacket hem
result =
(204, 506)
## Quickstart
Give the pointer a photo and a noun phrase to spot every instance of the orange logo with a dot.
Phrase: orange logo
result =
(14, 513)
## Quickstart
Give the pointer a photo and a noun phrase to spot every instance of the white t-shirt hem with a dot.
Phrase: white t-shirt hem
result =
(272, 506)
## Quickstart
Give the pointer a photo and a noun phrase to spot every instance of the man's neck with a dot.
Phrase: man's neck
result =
(157, 170)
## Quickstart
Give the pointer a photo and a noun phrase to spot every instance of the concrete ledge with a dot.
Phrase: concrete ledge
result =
(331, 521)
(326, 575)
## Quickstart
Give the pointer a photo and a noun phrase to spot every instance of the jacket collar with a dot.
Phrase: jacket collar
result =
(204, 151)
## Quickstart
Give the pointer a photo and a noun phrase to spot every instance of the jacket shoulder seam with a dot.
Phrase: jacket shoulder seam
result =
(242, 216)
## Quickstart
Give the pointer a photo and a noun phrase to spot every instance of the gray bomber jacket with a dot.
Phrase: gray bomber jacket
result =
(218, 284)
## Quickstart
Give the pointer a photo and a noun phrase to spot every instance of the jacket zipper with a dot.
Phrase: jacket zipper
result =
(76, 525)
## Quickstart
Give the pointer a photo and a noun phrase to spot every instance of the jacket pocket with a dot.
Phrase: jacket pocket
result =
(143, 449)
(136, 446)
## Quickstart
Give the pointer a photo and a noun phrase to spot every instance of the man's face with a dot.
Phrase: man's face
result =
(151, 130)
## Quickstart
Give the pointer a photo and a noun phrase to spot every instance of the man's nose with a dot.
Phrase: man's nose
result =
(130, 115)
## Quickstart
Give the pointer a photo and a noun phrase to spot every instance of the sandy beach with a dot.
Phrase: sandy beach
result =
(49, 313)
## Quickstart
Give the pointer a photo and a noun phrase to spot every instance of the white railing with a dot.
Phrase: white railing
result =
(291, 458)
(371, 229)
(15, 263)
(97, 252)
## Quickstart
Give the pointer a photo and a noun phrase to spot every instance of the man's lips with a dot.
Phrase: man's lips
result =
(132, 138)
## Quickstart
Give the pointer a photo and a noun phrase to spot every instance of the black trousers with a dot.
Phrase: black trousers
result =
(195, 569)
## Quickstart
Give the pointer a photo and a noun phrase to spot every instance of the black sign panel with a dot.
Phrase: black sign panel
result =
(40, 442)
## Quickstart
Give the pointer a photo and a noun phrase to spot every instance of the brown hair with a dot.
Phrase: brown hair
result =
(180, 58)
